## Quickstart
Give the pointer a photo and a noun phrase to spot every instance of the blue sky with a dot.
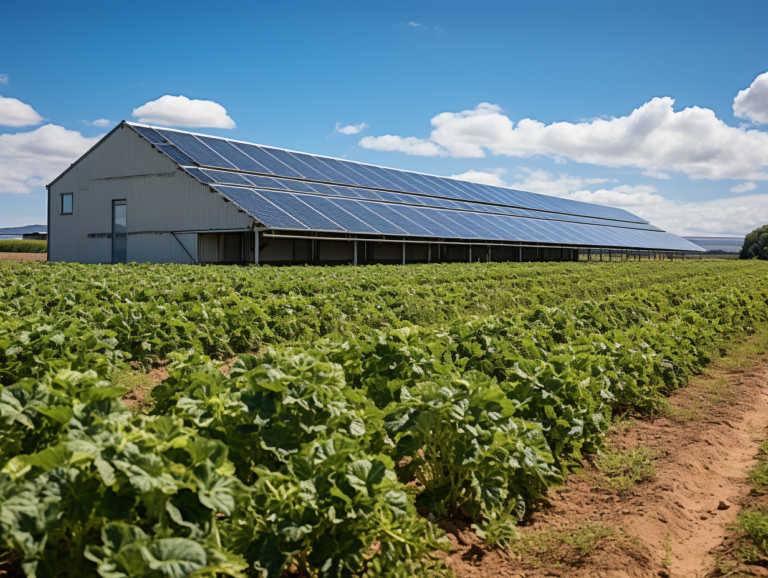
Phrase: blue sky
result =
(289, 74)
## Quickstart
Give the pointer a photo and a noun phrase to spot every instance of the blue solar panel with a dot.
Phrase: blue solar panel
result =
(267, 160)
(234, 155)
(398, 202)
(292, 205)
(200, 175)
(227, 178)
(195, 149)
(265, 182)
(149, 133)
(368, 194)
(293, 185)
(389, 176)
(297, 165)
(435, 228)
(447, 220)
(472, 222)
(340, 216)
(260, 208)
(407, 225)
(362, 212)
(175, 154)
(345, 169)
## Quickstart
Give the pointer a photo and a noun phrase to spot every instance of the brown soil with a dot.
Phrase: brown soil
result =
(669, 525)
(23, 257)
(138, 399)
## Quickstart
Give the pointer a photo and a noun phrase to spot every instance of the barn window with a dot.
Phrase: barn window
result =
(66, 204)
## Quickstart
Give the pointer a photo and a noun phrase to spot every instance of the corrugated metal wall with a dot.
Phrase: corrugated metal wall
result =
(160, 199)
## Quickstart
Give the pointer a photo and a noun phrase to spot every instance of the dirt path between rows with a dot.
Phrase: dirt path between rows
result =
(23, 256)
(668, 525)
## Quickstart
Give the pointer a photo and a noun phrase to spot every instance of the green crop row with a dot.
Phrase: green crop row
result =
(334, 449)
(22, 246)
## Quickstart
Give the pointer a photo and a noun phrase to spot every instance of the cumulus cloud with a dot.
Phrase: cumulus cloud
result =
(100, 122)
(4, 79)
(728, 216)
(652, 137)
(656, 174)
(744, 187)
(350, 128)
(181, 111)
(409, 145)
(30, 159)
(752, 103)
(483, 177)
(14, 113)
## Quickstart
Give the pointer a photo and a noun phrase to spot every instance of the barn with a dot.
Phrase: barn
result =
(158, 195)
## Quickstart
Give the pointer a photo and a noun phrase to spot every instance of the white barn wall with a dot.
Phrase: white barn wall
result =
(160, 199)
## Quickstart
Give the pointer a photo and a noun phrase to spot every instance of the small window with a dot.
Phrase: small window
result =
(66, 204)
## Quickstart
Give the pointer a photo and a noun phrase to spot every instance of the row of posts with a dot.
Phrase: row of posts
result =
(624, 255)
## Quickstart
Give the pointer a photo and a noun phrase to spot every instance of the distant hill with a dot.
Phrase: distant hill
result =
(724, 244)
(24, 230)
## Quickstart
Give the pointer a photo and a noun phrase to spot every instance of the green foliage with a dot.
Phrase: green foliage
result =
(556, 546)
(621, 470)
(752, 527)
(758, 474)
(756, 245)
(460, 390)
(23, 246)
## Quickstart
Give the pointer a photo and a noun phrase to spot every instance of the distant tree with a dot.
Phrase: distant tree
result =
(756, 245)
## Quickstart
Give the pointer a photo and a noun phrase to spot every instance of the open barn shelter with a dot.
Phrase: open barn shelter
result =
(158, 195)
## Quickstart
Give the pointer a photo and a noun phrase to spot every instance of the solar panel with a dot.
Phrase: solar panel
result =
(302, 212)
(234, 155)
(337, 195)
(274, 166)
(341, 217)
(362, 212)
(150, 134)
(175, 154)
(255, 204)
(195, 149)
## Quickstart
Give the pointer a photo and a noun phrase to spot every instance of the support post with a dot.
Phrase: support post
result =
(520, 254)
(429, 253)
(488, 256)
(470, 253)
(355, 257)
(256, 248)
(403, 253)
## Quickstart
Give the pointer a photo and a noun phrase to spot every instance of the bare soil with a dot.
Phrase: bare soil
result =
(675, 524)
(23, 257)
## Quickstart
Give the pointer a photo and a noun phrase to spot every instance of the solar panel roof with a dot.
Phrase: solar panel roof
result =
(293, 191)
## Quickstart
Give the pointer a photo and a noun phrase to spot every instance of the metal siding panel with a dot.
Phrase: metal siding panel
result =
(159, 197)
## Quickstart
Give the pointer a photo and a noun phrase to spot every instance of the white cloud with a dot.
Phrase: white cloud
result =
(655, 174)
(752, 103)
(744, 187)
(13, 112)
(350, 128)
(4, 79)
(408, 145)
(652, 137)
(410, 24)
(171, 110)
(728, 216)
(483, 177)
(100, 122)
(30, 159)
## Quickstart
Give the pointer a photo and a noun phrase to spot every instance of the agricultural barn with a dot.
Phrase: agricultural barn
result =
(150, 194)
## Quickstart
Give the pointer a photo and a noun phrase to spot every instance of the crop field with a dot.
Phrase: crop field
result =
(326, 421)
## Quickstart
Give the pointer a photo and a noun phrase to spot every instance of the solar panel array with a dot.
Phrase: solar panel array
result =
(293, 191)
